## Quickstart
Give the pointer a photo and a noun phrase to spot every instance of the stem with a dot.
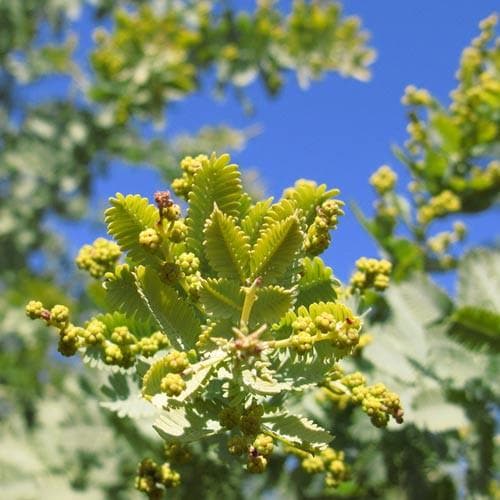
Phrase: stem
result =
(284, 343)
(292, 446)
(250, 298)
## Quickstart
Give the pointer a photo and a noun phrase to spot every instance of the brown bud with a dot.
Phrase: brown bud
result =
(163, 200)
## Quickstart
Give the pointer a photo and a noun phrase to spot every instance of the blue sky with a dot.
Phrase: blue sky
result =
(339, 130)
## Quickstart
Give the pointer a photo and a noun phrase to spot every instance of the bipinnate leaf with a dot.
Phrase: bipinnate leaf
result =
(297, 430)
(122, 294)
(188, 424)
(317, 283)
(272, 303)
(479, 279)
(254, 219)
(216, 182)
(125, 219)
(433, 412)
(476, 328)
(276, 250)
(174, 315)
(125, 398)
(226, 246)
(223, 298)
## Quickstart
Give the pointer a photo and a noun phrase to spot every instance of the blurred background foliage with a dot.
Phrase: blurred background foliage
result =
(440, 353)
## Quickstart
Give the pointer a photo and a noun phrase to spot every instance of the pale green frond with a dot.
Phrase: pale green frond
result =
(188, 424)
(430, 410)
(297, 431)
(258, 385)
(305, 370)
(226, 246)
(122, 294)
(317, 283)
(476, 328)
(125, 219)
(276, 250)
(174, 315)
(125, 398)
(479, 279)
(279, 211)
(254, 219)
(273, 302)
(308, 196)
(216, 182)
(222, 297)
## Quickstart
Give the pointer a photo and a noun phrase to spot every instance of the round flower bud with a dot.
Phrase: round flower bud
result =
(59, 315)
(188, 263)
(302, 342)
(95, 332)
(172, 384)
(149, 239)
(229, 417)
(256, 465)
(250, 425)
(172, 213)
(237, 445)
(263, 444)
(325, 322)
(384, 179)
(34, 309)
(170, 272)
(168, 477)
(121, 336)
(178, 232)
(182, 186)
(313, 465)
(176, 361)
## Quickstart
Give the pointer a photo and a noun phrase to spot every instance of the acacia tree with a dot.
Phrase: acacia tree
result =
(216, 318)
(52, 150)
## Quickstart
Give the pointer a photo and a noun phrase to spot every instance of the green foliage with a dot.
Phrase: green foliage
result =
(173, 314)
(227, 366)
(160, 54)
(226, 246)
(452, 157)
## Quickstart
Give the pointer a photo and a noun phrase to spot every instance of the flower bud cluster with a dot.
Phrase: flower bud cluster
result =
(331, 461)
(177, 231)
(189, 165)
(206, 333)
(119, 347)
(440, 205)
(303, 332)
(318, 234)
(344, 334)
(175, 362)
(170, 273)
(248, 440)
(371, 273)
(378, 403)
(188, 263)
(441, 242)
(153, 478)
(99, 258)
(150, 239)
(384, 179)
(194, 286)
(416, 97)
